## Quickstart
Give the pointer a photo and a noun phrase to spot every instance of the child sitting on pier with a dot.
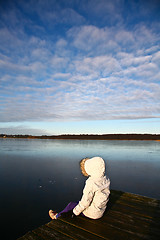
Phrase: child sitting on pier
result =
(95, 193)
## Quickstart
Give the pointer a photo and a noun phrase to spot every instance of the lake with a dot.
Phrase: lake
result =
(37, 175)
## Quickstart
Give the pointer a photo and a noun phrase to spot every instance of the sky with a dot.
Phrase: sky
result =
(79, 66)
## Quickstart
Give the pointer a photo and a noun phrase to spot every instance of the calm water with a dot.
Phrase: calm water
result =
(36, 175)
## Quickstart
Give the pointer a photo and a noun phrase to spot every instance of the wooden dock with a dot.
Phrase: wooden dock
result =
(128, 216)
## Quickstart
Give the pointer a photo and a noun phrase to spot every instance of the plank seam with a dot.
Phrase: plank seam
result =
(85, 230)
(62, 232)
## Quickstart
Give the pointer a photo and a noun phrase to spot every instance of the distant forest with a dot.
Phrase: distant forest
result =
(90, 136)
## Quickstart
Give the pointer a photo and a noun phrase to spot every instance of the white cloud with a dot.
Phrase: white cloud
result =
(86, 72)
(115, 39)
(105, 11)
(145, 34)
(61, 43)
(129, 59)
(70, 16)
(156, 58)
(97, 66)
(86, 37)
(22, 129)
(124, 37)
(58, 63)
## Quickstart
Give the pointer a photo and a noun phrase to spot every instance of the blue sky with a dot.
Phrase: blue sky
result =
(79, 66)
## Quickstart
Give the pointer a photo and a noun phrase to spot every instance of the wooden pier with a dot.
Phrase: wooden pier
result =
(128, 216)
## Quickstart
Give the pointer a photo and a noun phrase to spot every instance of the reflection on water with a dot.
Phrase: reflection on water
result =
(36, 175)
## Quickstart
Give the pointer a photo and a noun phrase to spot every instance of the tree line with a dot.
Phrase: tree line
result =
(90, 136)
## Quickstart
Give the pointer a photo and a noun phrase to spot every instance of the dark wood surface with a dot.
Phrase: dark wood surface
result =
(128, 216)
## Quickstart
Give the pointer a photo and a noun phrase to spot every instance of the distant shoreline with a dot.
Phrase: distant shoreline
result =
(148, 137)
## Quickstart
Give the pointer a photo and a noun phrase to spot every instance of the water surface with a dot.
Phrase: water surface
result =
(36, 175)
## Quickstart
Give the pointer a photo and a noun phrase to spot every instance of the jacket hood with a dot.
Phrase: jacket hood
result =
(95, 167)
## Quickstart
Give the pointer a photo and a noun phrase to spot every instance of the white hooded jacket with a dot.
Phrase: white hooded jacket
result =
(96, 191)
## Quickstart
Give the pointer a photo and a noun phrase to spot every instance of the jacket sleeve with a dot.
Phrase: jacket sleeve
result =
(86, 199)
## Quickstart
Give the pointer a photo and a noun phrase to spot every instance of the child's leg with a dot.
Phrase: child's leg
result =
(68, 208)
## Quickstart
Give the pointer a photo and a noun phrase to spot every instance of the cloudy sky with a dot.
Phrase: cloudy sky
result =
(79, 66)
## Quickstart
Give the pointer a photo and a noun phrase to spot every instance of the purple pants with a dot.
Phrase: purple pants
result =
(68, 208)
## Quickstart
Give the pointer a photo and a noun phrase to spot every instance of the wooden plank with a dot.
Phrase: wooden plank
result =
(148, 205)
(131, 210)
(128, 217)
(135, 213)
(49, 234)
(130, 225)
(137, 204)
(125, 218)
(74, 231)
(104, 231)
(30, 236)
(134, 199)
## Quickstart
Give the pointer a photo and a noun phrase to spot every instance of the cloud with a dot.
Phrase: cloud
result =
(110, 40)
(70, 16)
(88, 37)
(102, 11)
(129, 59)
(124, 37)
(101, 87)
(22, 129)
(51, 13)
(97, 66)
(84, 72)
